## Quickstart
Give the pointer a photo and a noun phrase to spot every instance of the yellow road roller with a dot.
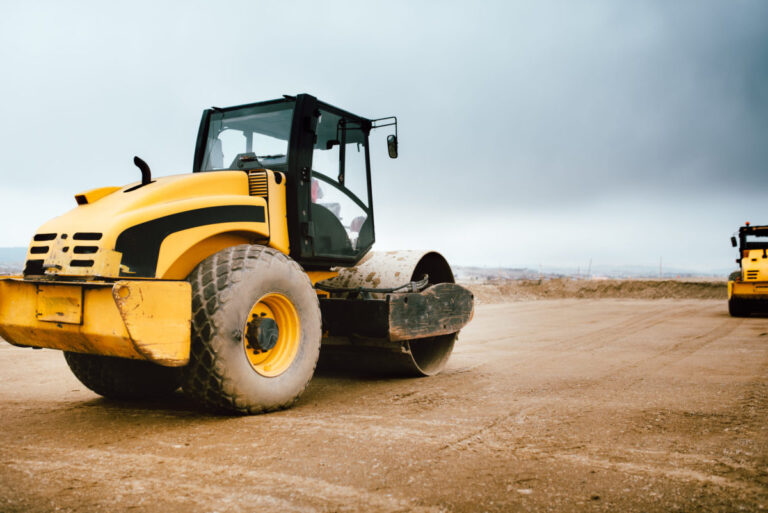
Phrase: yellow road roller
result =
(748, 287)
(228, 280)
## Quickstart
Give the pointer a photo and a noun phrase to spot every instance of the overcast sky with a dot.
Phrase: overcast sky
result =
(530, 132)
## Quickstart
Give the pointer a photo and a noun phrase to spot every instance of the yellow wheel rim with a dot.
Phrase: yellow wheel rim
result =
(268, 357)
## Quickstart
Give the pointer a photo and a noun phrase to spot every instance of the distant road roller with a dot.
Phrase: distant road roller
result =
(748, 287)
(227, 281)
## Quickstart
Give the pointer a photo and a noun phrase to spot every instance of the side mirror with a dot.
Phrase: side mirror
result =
(392, 146)
(733, 242)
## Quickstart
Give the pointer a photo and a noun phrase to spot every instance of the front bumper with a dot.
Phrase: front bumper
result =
(142, 320)
(757, 290)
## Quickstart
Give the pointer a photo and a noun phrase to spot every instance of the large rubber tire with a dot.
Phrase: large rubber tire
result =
(225, 287)
(121, 378)
(738, 307)
(734, 276)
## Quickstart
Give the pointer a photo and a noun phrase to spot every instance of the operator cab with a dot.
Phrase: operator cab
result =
(323, 153)
(752, 243)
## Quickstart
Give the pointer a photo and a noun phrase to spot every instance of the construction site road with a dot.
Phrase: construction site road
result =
(552, 405)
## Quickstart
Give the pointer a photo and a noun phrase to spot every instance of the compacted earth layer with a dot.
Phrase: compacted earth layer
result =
(546, 405)
(494, 291)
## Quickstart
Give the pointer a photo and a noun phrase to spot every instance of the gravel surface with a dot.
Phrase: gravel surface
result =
(547, 405)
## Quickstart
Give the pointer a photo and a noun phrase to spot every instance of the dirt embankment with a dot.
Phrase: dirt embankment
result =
(500, 291)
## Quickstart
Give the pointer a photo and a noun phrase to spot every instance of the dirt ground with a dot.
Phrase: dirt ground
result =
(546, 405)
(496, 291)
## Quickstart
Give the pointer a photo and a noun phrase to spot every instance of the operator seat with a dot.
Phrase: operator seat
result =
(330, 235)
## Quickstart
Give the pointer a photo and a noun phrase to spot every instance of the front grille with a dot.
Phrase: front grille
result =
(44, 256)
(85, 250)
(752, 275)
(86, 236)
(257, 183)
(33, 267)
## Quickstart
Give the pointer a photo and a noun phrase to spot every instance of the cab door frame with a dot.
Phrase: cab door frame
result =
(301, 229)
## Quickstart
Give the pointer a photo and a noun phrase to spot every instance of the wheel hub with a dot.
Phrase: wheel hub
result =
(262, 334)
(271, 334)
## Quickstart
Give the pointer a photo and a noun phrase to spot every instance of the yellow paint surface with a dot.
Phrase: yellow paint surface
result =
(152, 329)
(60, 303)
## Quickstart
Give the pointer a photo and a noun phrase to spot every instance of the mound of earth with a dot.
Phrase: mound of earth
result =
(500, 291)
(10, 269)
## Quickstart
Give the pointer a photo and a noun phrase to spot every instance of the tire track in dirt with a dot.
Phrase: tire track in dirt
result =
(723, 472)
(597, 338)
(647, 365)
(678, 351)
(637, 321)
(593, 339)
(666, 470)
(525, 423)
(202, 482)
(624, 329)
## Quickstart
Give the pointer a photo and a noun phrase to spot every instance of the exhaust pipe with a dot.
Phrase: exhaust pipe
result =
(146, 174)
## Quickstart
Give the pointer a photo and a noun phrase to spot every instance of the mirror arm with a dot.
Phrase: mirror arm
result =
(392, 121)
(391, 139)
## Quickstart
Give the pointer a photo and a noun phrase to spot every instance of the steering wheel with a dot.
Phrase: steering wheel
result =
(246, 161)
(336, 185)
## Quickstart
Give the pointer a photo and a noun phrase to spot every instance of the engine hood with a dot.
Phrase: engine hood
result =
(118, 232)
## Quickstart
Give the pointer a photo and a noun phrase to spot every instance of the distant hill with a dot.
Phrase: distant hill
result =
(469, 273)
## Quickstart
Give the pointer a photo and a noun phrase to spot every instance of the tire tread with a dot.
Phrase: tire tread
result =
(121, 378)
(205, 377)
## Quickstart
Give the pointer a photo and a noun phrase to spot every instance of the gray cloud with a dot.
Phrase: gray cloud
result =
(506, 108)
(668, 98)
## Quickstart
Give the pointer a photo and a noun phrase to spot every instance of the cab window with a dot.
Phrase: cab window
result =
(249, 137)
(340, 204)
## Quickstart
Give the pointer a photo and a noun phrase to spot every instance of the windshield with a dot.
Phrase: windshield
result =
(249, 138)
(756, 241)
